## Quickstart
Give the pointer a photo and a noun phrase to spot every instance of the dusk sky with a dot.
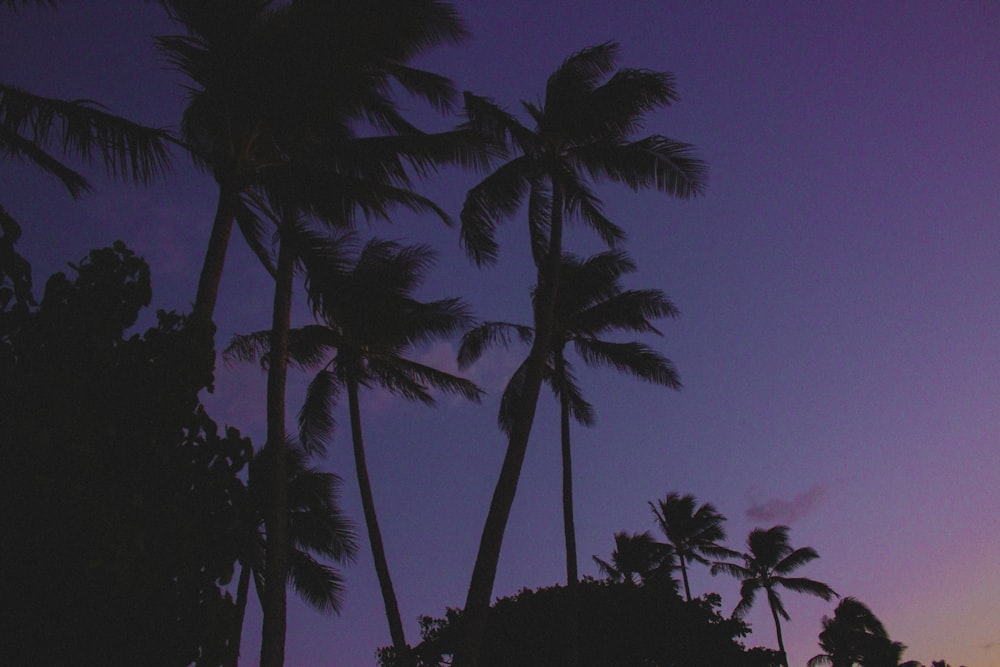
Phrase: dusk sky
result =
(839, 284)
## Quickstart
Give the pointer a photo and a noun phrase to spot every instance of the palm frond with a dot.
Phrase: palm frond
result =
(254, 346)
(795, 559)
(629, 310)
(498, 127)
(614, 110)
(426, 376)
(489, 334)
(13, 145)
(580, 200)
(316, 421)
(804, 585)
(565, 387)
(128, 151)
(634, 358)
(493, 199)
(321, 586)
(667, 165)
(748, 594)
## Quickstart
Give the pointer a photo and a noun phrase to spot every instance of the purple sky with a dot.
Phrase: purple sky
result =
(839, 284)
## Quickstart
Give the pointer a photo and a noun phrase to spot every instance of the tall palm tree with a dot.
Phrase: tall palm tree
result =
(369, 322)
(766, 564)
(32, 125)
(317, 528)
(693, 531)
(636, 559)
(268, 81)
(591, 303)
(277, 97)
(582, 128)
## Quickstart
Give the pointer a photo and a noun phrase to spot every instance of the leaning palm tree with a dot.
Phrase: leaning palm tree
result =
(766, 564)
(582, 128)
(693, 531)
(317, 528)
(591, 304)
(847, 636)
(636, 559)
(369, 322)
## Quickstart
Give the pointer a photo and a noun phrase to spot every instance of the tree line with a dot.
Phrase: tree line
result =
(292, 109)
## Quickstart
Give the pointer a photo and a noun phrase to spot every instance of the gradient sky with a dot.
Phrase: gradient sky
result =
(839, 284)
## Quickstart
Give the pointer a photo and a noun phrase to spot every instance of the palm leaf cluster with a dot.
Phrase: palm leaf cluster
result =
(693, 531)
(766, 566)
(855, 636)
(45, 131)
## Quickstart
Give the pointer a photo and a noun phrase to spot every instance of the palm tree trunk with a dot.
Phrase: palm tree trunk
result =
(684, 578)
(274, 604)
(484, 572)
(403, 658)
(242, 589)
(781, 643)
(215, 255)
(569, 527)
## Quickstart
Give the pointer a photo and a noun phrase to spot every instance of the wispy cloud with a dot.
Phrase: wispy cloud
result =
(780, 510)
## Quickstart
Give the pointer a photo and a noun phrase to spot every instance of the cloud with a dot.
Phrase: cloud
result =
(777, 510)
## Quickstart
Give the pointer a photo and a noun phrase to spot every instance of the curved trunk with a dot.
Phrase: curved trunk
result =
(242, 589)
(484, 572)
(215, 255)
(777, 627)
(374, 534)
(272, 647)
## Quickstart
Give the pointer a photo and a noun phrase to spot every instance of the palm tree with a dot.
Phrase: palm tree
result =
(693, 531)
(582, 127)
(636, 559)
(31, 125)
(277, 95)
(845, 637)
(766, 564)
(591, 303)
(268, 82)
(370, 320)
(317, 527)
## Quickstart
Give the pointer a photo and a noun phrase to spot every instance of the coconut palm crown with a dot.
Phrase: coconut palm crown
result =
(766, 565)
(693, 531)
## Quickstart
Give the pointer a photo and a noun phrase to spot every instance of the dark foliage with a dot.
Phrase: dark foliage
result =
(620, 626)
(118, 491)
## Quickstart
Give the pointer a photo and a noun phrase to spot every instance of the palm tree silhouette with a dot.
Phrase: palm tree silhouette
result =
(636, 559)
(693, 531)
(317, 528)
(582, 127)
(31, 124)
(765, 565)
(591, 303)
(275, 97)
(847, 637)
(370, 321)
(268, 82)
